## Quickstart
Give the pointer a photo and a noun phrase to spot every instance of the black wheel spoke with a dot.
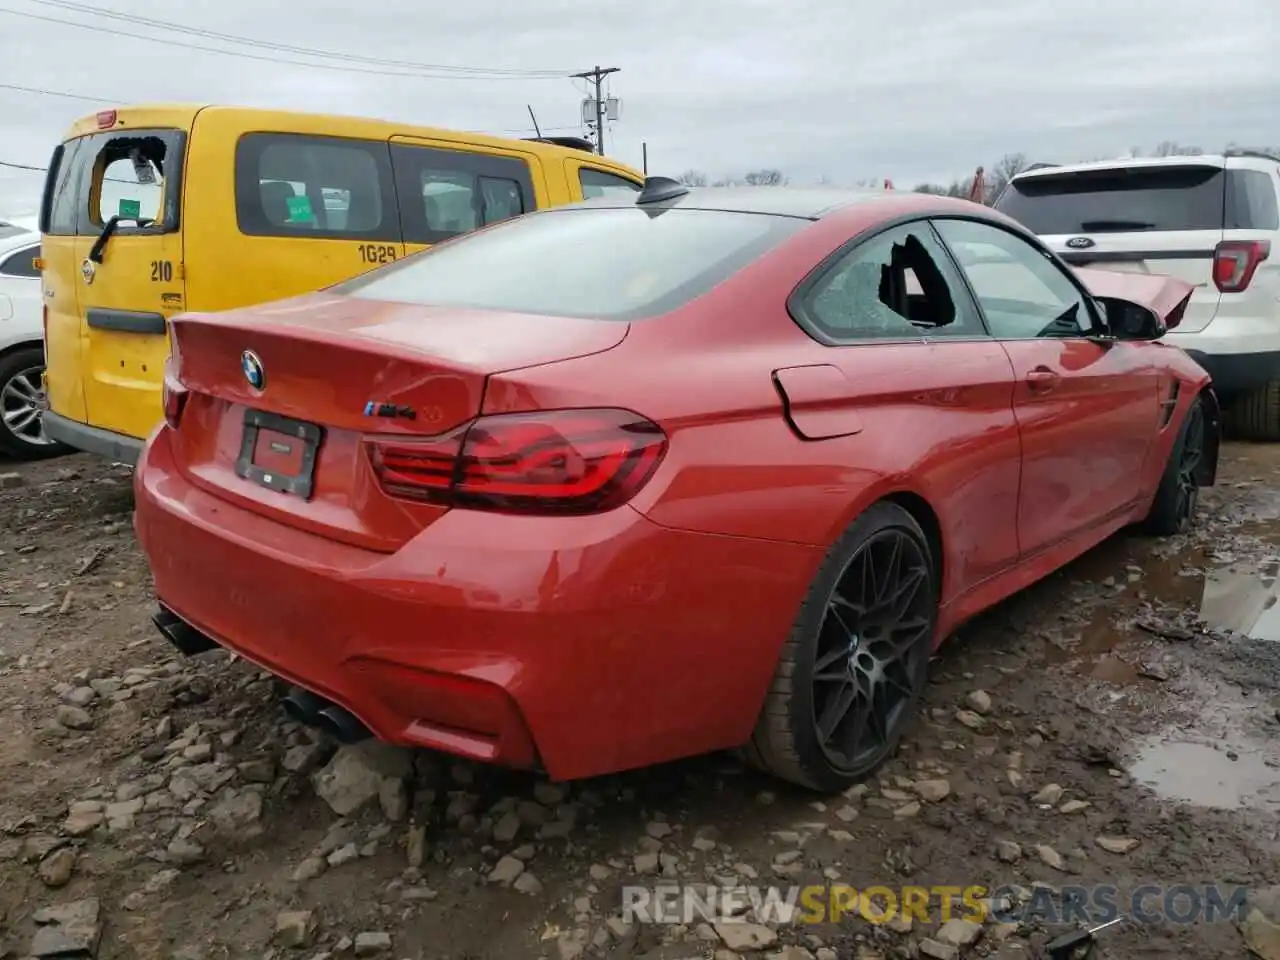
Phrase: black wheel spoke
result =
(837, 709)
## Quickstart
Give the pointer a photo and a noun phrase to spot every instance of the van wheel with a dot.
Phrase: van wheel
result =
(22, 403)
(1256, 415)
(1174, 508)
(849, 677)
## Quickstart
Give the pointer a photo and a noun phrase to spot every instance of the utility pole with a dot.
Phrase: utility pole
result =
(597, 76)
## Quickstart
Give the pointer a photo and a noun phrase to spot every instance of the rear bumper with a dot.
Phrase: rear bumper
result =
(104, 443)
(584, 644)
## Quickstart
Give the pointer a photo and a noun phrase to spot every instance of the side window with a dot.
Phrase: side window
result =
(597, 183)
(62, 189)
(292, 185)
(21, 264)
(128, 181)
(1022, 292)
(899, 285)
(1251, 201)
(444, 193)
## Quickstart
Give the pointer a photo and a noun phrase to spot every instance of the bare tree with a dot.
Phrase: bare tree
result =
(1171, 148)
(765, 178)
(1009, 166)
(693, 178)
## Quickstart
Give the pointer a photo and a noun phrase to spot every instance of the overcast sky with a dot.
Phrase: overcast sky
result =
(917, 90)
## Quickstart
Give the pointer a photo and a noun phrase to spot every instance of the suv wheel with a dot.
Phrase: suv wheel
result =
(22, 403)
(1256, 415)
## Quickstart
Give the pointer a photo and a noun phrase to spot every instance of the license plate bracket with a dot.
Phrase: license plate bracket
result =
(299, 483)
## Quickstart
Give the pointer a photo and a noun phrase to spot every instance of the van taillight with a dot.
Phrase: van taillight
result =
(1235, 261)
(557, 462)
(106, 119)
(174, 395)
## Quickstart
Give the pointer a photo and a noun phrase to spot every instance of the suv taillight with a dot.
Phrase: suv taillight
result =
(557, 462)
(1235, 261)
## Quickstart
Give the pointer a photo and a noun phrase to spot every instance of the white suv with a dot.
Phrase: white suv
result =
(22, 346)
(1210, 220)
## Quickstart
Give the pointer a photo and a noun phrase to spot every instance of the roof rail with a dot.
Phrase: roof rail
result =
(1246, 152)
(1038, 166)
(573, 143)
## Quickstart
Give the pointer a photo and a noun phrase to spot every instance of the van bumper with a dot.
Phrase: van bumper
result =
(103, 443)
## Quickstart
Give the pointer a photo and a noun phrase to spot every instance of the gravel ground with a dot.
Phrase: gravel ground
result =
(1091, 731)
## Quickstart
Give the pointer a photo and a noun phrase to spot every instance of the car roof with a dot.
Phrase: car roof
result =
(16, 241)
(809, 203)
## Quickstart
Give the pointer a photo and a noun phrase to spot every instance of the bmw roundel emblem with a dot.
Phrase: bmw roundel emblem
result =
(251, 366)
(1079, 243)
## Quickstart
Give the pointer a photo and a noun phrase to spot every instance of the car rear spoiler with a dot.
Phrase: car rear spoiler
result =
(1166, 297)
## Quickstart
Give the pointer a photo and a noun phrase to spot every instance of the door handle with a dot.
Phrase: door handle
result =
(1042, 379)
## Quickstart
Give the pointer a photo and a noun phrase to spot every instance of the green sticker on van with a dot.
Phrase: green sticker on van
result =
(299, 210)
(131, 208)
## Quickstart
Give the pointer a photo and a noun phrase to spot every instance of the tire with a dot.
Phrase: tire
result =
(1256, 414)
(786, 742)
(1174, 508)
(20, 385)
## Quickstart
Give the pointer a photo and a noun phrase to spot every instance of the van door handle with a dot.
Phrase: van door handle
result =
(1042, 379)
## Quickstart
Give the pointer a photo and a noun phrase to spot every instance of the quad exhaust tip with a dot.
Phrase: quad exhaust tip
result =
(187, 639)
(315, 711)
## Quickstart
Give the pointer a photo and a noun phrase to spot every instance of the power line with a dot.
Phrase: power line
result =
(279, 60)
(40, 91)
(56, 93)
(290, 48)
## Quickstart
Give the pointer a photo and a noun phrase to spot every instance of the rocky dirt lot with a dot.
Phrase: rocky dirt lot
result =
(1094, 730)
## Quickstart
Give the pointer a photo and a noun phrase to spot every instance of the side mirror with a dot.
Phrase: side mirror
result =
(1126, 320)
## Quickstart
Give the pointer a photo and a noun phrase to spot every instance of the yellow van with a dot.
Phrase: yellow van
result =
(154, 210)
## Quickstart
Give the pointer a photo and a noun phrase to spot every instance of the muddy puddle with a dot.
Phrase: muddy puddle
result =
(1209, 774)
(1243, 598)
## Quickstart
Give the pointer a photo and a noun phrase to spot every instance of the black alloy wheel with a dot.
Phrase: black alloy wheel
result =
(1188, 470)
(876, 629)
(850, 675)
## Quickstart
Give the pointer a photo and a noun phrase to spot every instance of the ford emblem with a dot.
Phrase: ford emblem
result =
(1079, 243)
(251, 366)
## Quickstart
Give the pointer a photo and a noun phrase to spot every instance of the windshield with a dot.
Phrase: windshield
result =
(606, 263)
(1120, 200)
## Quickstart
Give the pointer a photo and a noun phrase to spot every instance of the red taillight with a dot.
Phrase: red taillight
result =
(106, 119)
(558, 462)
(175, 398)
(1234, 263)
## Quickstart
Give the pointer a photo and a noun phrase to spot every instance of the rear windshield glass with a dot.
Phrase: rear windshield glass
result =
(607, 263)
(1118, 201)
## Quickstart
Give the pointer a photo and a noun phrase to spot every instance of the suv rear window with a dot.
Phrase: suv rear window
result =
(1120, 200)
(608, 264)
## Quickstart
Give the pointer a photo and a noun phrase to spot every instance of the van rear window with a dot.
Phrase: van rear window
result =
(605, 263)
(292, 185)
(1119, 200)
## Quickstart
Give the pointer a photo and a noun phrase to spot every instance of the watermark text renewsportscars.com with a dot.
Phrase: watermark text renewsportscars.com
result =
(1149, 904)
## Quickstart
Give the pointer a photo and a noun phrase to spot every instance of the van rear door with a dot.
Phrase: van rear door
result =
(1162, 217)
(128, 249)
(61, 282)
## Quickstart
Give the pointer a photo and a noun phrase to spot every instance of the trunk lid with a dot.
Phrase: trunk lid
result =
(1148, 217)
(354, 369)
